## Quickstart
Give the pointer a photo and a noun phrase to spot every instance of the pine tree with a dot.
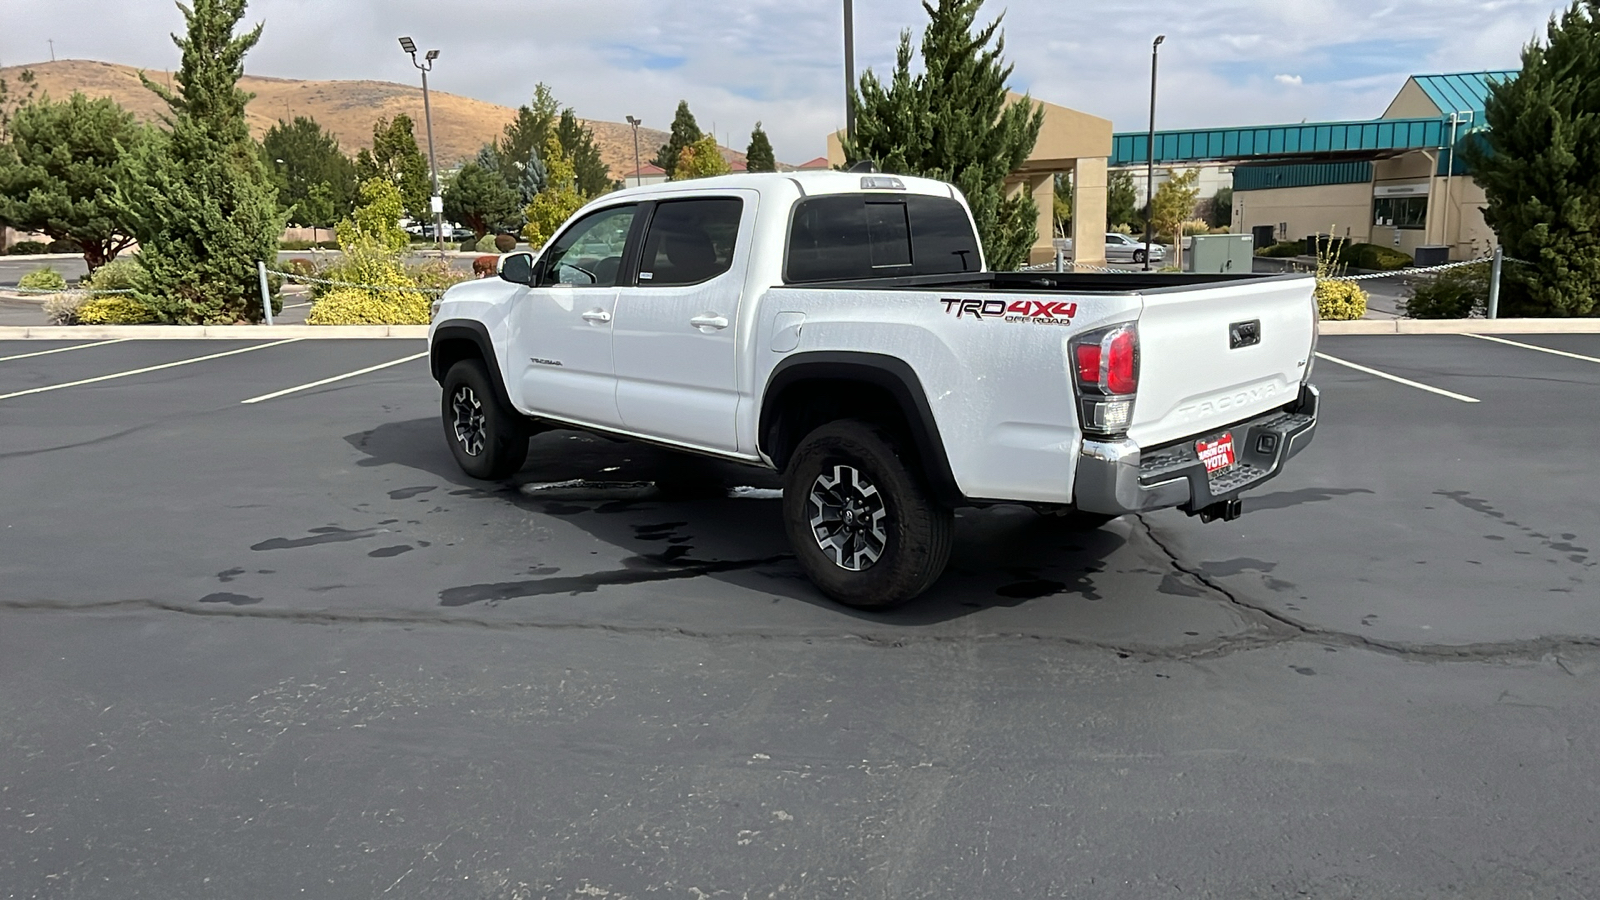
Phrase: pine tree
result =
(395, 156)
(1539, 166)
(685, 131)
(202, 207)
(1122, 201)
(300, 156)
(577, 141)
(481, 200)
(953, 122)
(525, 135)
(61, 170)
(758, 156)
(559, 199)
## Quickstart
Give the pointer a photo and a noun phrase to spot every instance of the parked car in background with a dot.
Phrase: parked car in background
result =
(1123, 248)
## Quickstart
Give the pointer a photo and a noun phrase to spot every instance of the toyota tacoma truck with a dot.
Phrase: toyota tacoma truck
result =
(841, 328)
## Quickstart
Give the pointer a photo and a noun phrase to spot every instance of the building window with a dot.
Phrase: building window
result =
(1400, 212)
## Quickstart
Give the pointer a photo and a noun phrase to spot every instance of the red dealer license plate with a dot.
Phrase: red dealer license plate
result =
(1217, 454)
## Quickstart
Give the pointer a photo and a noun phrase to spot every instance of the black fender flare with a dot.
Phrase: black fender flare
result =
(474, 332)
(893, 375)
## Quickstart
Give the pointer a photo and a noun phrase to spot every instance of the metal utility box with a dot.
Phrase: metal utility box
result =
(1432, 255)
(1221, 253)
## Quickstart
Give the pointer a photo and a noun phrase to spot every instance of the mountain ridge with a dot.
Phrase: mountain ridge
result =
(345, 108)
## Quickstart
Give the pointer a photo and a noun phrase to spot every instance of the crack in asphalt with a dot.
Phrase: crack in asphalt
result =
(1279, 628)
(1531, 649)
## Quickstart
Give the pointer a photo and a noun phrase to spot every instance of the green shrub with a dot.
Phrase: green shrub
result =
(359, 306)
(119, 275)
(1283, 249)
(64, 247)
(484, 244)
(1373, 256)
(28, 248)
(437, 274)
(301, 266)
(115, 310)
(1452, 294)
(43, 279)
(1339, 300)
(504, 243)
(296, 246)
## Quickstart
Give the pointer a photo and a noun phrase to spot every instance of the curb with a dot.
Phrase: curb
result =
(212, 332)
(1462, 326)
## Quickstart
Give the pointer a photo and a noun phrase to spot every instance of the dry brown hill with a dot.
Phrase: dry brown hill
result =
(346, 108)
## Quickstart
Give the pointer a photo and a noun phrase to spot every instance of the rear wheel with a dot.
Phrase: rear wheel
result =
(863, 525)
(1138, 256)
(488, 439)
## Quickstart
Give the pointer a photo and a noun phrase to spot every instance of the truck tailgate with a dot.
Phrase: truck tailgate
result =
(1200, 367)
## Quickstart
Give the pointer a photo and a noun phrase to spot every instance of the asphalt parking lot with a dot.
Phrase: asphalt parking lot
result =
(285, 648)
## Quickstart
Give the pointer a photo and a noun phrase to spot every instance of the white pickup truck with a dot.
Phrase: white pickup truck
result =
(841, 329)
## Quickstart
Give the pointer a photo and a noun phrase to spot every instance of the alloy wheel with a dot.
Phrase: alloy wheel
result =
(848, 518)
(469, 424)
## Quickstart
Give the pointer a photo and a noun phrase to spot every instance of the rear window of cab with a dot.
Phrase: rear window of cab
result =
(845, 237)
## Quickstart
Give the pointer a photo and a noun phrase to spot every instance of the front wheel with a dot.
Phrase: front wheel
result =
(1138, 256)
(488, 439)
(863, 525)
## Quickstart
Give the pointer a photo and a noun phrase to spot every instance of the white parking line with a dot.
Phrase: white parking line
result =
(1396, 378)
(181, 362)
(306, 387)
(1485, 337)
(296, 305)
(61, 349)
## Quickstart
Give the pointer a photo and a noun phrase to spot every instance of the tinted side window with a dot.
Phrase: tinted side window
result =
(828, 240)
(589, 253)
(863, 236)
(942, 241)
(690, 241)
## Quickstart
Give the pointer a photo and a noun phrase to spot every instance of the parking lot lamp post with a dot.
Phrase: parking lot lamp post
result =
(849, 71)
(436, 201)
(1150, 155)
(1456, 118)
(638, 176)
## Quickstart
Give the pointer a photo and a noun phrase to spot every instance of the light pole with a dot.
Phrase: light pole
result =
(849, 71)
(1150, 157)
(1444, 237)
(436, 202)
(638, 176)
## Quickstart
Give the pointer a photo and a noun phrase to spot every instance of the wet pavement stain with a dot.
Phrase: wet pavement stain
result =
(230, 598)
(1572, 552)
(328, 534)
(638, 570)
(1286, 499)
(385, 552)
(1175, 585)
(227, 575)
(408, 493)
(1304, 670)
(1031, 590)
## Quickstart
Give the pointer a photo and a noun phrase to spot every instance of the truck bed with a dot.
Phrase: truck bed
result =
(1045, 282)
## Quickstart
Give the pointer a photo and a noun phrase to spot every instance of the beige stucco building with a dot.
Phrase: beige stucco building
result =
(1070, 142)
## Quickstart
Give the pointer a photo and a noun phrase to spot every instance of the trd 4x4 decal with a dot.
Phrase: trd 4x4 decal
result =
(1035, 312)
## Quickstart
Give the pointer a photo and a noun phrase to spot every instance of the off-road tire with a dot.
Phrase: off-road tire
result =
(488, 438)
(916, 530)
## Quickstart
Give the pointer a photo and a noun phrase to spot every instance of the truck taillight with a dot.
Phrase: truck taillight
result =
(1106, 363)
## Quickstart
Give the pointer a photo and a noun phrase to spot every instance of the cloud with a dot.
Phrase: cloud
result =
(737, 61)
(1294, 80)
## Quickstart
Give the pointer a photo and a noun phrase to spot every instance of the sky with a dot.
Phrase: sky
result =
(1224, 62)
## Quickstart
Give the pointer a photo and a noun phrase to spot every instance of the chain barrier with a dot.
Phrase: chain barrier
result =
(307, 279)
(84, 291)
(1415, 271)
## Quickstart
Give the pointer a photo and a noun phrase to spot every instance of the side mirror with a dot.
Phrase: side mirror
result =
(516, 268)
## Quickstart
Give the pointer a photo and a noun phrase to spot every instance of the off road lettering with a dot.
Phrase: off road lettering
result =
(1038, 312)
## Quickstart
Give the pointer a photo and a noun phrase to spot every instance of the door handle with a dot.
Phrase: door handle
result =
(710, 321)
(597, 315)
